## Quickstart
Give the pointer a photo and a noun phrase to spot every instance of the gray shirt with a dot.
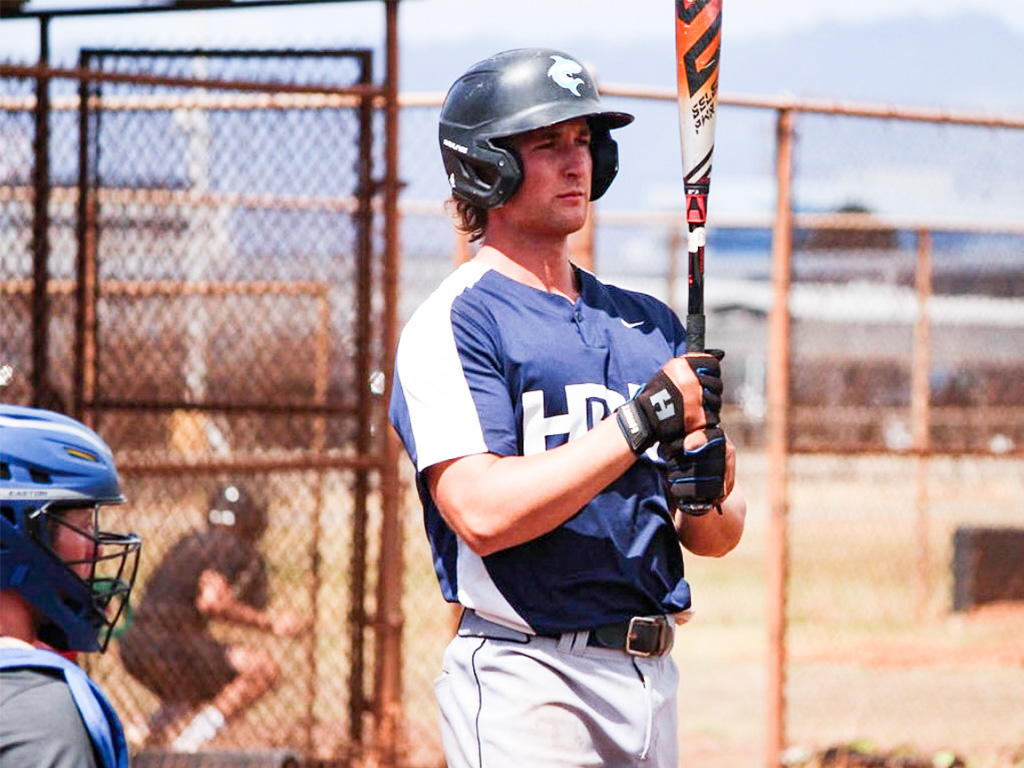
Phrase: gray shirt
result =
(39, 723)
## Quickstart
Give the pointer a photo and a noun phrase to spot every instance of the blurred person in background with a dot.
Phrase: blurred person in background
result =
(215, 574)
(64, 582)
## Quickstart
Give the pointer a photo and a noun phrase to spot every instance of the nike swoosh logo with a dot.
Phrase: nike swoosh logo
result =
(637, 324)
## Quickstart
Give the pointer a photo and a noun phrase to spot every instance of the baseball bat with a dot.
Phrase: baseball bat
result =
(698, 42)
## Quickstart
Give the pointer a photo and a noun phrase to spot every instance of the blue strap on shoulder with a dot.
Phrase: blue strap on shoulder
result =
(101, 721)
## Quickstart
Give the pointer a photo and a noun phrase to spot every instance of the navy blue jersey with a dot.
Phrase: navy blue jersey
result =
(488, 364)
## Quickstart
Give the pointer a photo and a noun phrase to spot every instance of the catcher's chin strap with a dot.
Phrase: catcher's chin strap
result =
(100, 719)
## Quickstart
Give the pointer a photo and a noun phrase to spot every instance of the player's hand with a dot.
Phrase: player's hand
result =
(287, 625)
(699, 471)
(683, 397)
(214, 595)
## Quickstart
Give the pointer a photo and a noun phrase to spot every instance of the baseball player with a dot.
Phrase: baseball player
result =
(557, 430)
(64, 582)
(216, 574)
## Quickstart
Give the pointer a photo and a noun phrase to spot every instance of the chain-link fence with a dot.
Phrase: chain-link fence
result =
(213, 304)
(226, 328)
(904, 425)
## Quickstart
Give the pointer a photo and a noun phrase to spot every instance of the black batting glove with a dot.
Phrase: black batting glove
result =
(660, 412)
(694, 479)
(708, 370)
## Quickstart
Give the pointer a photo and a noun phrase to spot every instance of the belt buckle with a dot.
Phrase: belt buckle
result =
(640, 631)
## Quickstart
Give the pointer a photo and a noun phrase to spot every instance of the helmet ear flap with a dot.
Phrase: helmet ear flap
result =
(485, 176)
(605, 152)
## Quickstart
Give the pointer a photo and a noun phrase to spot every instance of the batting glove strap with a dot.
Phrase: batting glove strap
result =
(695, 479)
(634, 426)
(655, 414)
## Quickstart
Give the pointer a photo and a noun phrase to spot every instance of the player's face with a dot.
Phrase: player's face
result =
(74, 540)
(557, 168)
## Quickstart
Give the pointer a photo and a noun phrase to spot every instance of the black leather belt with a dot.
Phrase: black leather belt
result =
(640, 636)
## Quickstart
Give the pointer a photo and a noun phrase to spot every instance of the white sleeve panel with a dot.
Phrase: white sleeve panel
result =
(445, 423)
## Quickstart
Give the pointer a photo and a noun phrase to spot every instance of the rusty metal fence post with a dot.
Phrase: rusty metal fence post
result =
(778, 437)
(84, 387)
(389, 606)
(920, 413)
(41, 389)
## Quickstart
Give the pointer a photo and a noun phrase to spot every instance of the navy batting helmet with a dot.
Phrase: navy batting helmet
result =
(512, 93)
(239, 508)
(49, 464)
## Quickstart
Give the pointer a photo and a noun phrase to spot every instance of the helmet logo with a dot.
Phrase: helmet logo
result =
(457, 147)
(78, 453)
(563, 72)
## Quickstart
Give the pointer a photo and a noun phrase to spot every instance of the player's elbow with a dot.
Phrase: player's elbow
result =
(718, 546)
(478, 533)
(716, 535)
(463, 490)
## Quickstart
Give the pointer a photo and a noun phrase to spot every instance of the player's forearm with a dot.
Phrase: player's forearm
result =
(240, 613)
(216, 600)
(494, 503)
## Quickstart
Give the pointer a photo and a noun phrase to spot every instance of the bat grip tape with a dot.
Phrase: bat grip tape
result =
(695, 333)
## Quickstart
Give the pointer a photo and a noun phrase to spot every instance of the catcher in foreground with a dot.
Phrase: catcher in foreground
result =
(556, 425)
(65, 579)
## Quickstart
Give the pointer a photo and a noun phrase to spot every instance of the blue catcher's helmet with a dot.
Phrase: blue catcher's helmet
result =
(50, 464)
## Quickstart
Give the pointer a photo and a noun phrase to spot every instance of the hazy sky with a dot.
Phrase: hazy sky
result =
(745, 18)
(535, 22)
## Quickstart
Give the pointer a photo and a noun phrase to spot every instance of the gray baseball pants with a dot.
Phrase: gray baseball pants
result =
(512, 700)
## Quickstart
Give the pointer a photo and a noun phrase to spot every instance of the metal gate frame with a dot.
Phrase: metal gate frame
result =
(384, 703)
(90, 402)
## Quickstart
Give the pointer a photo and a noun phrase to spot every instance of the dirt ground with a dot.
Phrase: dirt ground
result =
(913, 695)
